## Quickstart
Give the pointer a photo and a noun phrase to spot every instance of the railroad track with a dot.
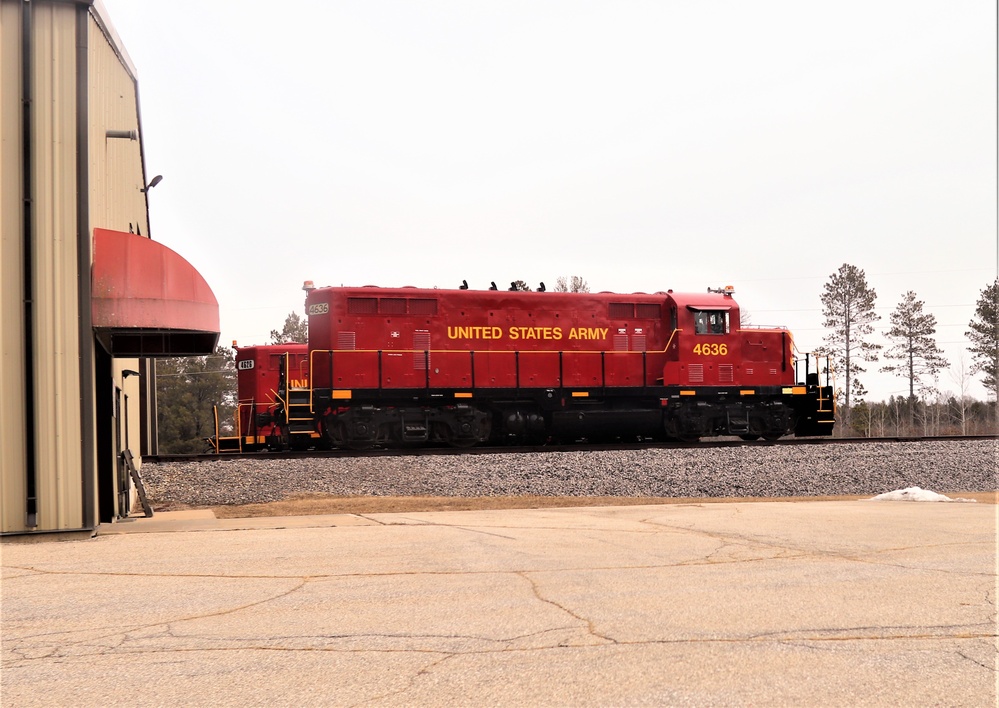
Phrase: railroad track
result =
(574, 447)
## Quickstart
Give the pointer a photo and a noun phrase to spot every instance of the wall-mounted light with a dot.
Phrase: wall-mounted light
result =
(152, 183)
(128, 372)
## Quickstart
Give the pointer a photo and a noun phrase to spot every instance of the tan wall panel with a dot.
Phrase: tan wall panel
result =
(12, 440)
(56, 344)
(116, 179)
(115, 201)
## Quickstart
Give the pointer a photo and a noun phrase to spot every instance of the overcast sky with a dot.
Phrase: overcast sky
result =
(640, 145)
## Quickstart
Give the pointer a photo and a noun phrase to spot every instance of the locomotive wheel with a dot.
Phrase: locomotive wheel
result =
(455, 440)
(462, 442)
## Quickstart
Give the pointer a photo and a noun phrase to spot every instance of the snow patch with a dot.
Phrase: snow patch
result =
(917, 494)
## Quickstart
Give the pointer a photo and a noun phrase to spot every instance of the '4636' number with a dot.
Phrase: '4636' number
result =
(711, 349)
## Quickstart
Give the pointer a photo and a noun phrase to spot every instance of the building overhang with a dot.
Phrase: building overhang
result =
(148, 301)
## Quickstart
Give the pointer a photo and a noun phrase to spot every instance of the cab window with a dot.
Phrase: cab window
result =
(710, 321)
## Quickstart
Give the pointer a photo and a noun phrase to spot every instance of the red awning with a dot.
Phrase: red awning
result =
(147, 301)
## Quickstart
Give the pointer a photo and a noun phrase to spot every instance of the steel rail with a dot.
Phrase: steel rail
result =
(530, 449)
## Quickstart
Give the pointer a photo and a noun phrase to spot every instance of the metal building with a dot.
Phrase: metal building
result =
(87, 299)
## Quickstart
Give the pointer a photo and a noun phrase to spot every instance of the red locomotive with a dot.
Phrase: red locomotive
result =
(393, 366)
(270, 380)
(398, 366)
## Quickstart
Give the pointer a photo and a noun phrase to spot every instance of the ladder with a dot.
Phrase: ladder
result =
(126, 455)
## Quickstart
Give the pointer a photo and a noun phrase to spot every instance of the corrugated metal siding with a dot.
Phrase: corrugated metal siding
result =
(12, 443)
(56, 345)
(116, 199)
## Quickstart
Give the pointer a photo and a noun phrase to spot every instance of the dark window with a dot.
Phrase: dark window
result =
(710, 321)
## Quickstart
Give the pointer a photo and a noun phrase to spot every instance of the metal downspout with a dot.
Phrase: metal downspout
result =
(88, 470)
(30, 431)
(148, 421)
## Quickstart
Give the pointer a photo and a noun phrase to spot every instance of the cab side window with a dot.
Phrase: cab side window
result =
(710, 322)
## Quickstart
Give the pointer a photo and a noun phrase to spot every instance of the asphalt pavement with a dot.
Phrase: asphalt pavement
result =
(824, 603)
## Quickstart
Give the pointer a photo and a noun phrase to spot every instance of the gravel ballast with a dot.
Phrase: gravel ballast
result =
(744, 471)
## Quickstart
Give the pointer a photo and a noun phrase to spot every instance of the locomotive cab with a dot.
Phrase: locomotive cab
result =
(725, 379)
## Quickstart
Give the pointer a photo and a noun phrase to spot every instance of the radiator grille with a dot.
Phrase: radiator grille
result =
(695, 373)
(725, 373)
(392, 306)
(346, 340)
(621, 309)
(362, 306)
(419, 306)
(421, 343)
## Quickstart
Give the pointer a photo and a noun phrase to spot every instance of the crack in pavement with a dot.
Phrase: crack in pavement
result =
(535, 588)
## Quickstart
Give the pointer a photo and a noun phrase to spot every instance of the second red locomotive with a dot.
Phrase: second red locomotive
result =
(392, 366)
(271, 380)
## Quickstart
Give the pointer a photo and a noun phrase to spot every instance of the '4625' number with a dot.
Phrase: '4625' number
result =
(711, 349)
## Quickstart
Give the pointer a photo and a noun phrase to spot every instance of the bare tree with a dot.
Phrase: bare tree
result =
(960, 403)
(572, 284)
(848, 308)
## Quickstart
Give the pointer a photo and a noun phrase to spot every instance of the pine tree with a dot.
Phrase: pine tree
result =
(187, 391)
(913, 345)
(296, 329)
(848, 308)
(984, 336)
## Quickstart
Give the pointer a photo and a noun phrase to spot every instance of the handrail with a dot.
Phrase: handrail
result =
(215, 440)
(672, 334)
